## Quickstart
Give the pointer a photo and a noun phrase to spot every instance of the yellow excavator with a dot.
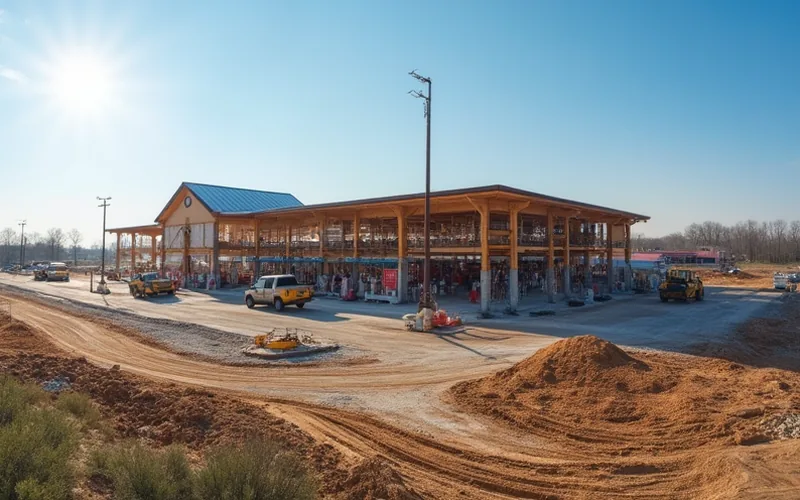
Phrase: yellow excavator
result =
(681, 285)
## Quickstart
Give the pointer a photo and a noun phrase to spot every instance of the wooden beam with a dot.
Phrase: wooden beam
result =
(119, 251)
(356, 229)
(550, 240)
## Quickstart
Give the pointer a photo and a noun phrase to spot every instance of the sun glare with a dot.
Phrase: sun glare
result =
(82, 83)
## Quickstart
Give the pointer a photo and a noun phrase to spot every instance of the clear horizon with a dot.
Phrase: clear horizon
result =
(682, 111)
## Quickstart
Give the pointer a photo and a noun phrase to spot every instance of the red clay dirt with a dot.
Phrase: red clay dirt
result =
(158, 413)
(590, 394)
(587, 421)
(376, 479)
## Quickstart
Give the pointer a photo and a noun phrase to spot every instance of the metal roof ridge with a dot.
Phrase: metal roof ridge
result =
(188, 183)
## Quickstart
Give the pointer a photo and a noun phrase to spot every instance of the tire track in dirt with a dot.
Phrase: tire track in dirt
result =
(439, 465)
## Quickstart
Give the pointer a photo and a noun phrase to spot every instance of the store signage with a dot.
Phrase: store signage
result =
(390, 279)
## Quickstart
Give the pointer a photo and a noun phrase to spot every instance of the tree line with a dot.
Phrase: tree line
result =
(54, 245)
(776, 241)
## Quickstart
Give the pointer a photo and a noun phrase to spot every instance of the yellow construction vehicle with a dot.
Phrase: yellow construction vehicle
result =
(149, 284)
(681, 285)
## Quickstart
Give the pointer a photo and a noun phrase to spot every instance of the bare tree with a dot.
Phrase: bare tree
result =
(55, 240)
(8, 237)
(75, 237)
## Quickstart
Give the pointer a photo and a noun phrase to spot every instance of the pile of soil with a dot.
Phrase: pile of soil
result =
(754, 279)
(376, 479)
(15, 334)
(593, 394)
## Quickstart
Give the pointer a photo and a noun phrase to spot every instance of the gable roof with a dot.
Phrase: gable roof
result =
(229, 200)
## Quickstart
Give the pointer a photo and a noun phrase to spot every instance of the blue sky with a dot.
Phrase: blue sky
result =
(685, 111)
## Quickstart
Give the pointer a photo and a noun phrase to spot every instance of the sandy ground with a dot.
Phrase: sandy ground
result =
(391, 402)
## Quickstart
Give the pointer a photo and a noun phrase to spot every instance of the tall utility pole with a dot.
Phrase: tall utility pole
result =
(22, 243)
(425, 299)
(105, 205)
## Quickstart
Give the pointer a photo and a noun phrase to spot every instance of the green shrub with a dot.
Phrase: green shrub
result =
(16, 398)
(140, 473)
(36, 445)
(258, 470)
(81, 407)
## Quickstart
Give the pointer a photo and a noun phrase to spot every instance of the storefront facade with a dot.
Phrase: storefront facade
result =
(498, 241)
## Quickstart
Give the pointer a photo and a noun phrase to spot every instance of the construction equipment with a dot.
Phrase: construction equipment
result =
(150, 284)
(282, 339)
(681, 285)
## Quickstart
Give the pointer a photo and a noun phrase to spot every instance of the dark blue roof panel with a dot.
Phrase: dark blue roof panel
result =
(223, 199)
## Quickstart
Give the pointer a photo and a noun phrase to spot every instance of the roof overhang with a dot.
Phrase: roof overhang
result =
(483, 191)
(147, 230)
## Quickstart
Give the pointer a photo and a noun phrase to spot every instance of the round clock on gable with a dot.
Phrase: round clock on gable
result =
(187, 202)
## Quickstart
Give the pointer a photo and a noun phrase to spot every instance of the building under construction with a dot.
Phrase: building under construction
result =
(491, 242)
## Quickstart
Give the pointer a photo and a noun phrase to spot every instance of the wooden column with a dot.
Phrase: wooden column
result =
(356, 229)
(288, 241)
(610, 257)
(513, 239)
(257, 242)
(486, 263)
(567, 261)
(402, 237)
(551, 257)
(153, 250)
(119, 251)
(628, 249)
(402, 263)
(133, 252)
(513, 275)
(163, 250)
(321, 223)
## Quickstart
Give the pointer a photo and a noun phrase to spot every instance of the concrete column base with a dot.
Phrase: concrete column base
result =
(402, 280)
(427, 319)
(567, 283)
(550, 284)
(628, 278)
(513, 289)
(610, 275)
(486, 290)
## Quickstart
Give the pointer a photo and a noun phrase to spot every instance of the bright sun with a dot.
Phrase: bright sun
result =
(82, 83)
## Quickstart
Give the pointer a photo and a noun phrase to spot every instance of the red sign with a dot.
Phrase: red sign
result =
(390, 279)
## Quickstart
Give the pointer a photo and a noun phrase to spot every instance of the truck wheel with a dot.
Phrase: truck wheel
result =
(278, 305)
(133, 292)
(250, 302)
(699, 296)
(664, 299)
(300, 305)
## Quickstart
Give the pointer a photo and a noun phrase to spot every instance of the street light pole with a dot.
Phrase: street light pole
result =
(22, 243)
(105, 205)
(425, 299)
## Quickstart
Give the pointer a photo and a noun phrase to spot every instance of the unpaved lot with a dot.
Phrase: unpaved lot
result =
(396, 403)
(557, 458)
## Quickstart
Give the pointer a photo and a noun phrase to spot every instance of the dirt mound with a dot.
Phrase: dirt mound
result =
(576, 361)
(594, 395)
(376, 479)
(16, 335)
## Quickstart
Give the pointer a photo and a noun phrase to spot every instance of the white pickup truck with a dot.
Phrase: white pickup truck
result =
(278, 290)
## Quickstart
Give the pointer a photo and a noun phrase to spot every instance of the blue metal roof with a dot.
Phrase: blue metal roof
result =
(223, 199)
